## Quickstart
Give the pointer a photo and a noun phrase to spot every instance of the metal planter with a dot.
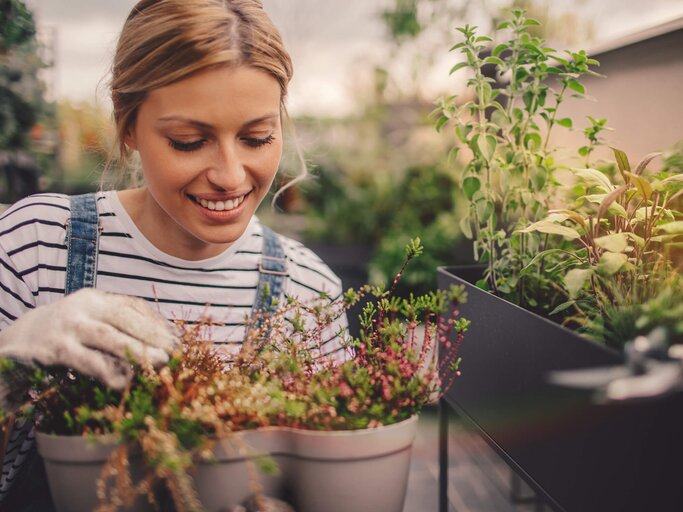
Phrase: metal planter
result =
(577, 454)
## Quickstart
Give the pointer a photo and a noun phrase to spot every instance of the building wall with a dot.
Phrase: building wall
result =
(641, 97)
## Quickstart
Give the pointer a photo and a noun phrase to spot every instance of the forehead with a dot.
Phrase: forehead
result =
(217, 96)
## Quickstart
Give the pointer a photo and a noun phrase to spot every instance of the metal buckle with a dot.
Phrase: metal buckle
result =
(274, 272)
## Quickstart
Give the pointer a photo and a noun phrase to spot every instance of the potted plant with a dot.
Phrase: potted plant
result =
(335, 429)
(591, 249)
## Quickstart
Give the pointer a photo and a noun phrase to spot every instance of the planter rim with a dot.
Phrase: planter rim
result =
(111, 438)
(451, 270)
(75, 449)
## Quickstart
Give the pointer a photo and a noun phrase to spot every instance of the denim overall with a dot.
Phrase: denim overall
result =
(82, 241)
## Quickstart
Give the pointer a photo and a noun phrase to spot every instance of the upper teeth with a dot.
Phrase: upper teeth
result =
(228, 204)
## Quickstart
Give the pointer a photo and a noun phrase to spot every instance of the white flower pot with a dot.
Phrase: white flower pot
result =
(226, 482)
(73, 465)
(338, 471)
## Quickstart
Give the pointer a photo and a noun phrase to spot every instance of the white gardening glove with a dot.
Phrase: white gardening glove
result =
(93, 332)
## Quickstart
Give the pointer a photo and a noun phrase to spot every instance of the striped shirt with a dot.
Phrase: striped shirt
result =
(222, 288)
(33, 258)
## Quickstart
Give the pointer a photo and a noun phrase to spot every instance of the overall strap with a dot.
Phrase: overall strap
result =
(272, 275)
(82, 240)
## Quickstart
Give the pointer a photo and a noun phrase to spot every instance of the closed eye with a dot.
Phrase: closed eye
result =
(186, 146)
(256, 142)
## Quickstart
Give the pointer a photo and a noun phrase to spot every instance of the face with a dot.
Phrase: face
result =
(210, 146)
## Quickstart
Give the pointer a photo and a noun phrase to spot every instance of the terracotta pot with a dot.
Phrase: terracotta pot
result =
(73, 465)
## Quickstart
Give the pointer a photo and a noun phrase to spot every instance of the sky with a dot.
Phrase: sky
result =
(333, 42)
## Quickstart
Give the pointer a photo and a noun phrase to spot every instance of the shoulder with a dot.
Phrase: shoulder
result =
(307, 271)
(35, 217)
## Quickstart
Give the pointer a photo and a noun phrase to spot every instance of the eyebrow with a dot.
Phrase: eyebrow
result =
(201, 124)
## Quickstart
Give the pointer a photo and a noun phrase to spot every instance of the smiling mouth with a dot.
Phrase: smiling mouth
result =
(220, 206)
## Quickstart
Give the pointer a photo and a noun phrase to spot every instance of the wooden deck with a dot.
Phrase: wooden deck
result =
(479, 481)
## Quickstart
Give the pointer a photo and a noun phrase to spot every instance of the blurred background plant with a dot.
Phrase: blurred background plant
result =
(25, 114)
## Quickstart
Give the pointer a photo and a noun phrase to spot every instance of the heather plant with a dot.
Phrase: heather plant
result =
(176, 414)
(509, 179)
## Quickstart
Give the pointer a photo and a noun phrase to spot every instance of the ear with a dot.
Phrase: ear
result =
(130, 139)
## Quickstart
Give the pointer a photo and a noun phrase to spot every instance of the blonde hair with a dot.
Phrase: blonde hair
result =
(163, 41)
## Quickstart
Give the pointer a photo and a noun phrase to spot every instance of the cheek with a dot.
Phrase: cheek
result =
(270, 163)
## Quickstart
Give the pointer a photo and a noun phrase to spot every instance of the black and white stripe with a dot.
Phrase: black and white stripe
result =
(33, 262)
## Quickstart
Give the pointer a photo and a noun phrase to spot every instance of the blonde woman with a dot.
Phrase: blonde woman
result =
(198, 88)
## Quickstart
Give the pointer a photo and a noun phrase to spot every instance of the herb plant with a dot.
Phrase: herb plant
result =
(623, 233)
(509, 178)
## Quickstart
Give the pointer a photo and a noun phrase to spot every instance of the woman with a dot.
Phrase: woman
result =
(198, 89)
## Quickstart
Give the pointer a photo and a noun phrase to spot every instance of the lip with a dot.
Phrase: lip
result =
(216, 215)
(218, 197)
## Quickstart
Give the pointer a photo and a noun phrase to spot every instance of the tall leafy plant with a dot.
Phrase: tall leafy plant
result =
(509, 178)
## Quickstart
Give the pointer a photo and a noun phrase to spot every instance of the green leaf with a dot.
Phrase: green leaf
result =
(611, 263)
(532, 141)
(531, 265)
(483, 39)
(575, 279)
(458, 66)
(504, 25)
(546, 226)
(672, 228)
(466, 227)
(453, 154)
(574, 85)
(470, 185)
(642, 185)
(487, 146)
(494, 60)
(638, 240)
(528, 99)
(568, 214)
(622, 161)
(566, 122)
(665, 239)
(617, 242)
(595, 177)
(531, 21)
(484, 210)
(677, 178)
(440, 122)
(499, 49)
(561, 307)
(614, 207)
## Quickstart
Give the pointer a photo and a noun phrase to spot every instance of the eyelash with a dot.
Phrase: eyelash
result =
(257, 143)
(186, 146)
(197, 144)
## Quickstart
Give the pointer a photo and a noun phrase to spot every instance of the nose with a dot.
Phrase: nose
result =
(227, 170)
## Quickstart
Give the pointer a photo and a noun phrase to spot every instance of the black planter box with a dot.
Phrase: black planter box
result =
(578, 455)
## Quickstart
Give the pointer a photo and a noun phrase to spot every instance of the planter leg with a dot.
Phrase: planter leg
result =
(443, 455)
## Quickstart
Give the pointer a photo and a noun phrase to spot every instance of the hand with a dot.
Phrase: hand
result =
(93, 332)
